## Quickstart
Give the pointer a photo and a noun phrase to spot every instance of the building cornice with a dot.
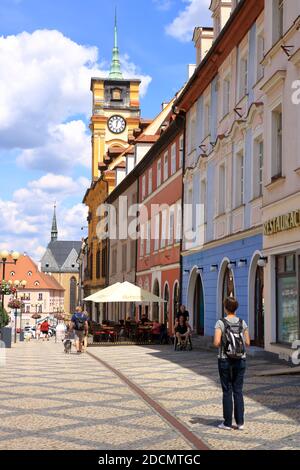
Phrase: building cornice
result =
(239, 23)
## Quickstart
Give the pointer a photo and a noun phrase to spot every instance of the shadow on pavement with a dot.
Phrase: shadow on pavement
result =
(277, 393)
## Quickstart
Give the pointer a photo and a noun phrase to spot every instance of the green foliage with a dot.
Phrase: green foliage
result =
(4, 318)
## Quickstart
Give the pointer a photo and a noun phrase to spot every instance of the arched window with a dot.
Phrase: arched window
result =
(73, 284)
(175, 299)
(228, 286)
(155, 305)
(166, 304)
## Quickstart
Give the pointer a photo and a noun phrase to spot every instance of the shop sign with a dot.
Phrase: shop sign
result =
(282, 223)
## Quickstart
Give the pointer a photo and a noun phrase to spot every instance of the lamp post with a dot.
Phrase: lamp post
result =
(4, 254)
(36, 315)
(18, 285)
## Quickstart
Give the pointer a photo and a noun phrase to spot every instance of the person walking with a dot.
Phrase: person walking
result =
(232, 338)
(79, 325)
(45, 330)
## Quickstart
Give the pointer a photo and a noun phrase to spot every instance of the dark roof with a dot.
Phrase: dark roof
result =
(61, 249)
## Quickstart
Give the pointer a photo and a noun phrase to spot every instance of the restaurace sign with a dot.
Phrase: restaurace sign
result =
(282, 223)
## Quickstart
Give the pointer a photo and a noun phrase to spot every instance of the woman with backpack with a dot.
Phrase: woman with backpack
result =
(232, 338)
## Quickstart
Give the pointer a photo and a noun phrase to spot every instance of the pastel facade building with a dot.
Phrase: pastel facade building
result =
(281, 195)
(42, 294)
(223, 168)
(159, 244)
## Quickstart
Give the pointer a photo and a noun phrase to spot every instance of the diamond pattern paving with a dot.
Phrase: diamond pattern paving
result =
(50, 400)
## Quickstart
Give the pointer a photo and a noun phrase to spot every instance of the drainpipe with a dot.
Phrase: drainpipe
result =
(183, 116)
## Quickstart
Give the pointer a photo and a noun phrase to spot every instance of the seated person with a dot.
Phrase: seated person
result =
(144, 319)
(182, 330)
(156, 328)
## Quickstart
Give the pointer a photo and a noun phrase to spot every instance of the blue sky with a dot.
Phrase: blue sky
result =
(48, 51)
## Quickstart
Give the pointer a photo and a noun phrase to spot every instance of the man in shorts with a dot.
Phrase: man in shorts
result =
(79, 324)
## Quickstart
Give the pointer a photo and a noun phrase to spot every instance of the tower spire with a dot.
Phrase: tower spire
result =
(115, 68)
(54, 231)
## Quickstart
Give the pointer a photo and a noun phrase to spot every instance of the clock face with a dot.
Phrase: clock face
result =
(116, 124)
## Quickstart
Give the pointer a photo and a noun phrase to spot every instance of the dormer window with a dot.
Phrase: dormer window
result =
(116, 94)
(12, 273)
(36, 283)
(29, 273)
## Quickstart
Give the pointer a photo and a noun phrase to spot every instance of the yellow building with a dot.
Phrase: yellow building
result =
(115, 118)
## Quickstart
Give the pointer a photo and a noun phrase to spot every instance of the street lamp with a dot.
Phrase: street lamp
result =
(18, 285)
(4, 254)
(36, 315)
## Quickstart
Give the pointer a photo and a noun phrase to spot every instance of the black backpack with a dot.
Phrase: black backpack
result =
(233, 342)
(79, 321)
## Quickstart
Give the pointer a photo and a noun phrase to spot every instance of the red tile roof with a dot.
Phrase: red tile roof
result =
(26, 269)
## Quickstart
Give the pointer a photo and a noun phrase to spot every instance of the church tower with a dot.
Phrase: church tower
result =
(54, 231)
(115, 114)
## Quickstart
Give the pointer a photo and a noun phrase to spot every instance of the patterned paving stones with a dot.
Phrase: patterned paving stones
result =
(50, 400)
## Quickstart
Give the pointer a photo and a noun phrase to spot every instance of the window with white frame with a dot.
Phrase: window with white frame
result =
(277, 152)
(173, 159)
(148, 235)
(158, 176)
(203, 201)
(166, 166)
(142, 241)
(226, 95)
(222, 189)
(243, 75)
(156, 231)
(258, 163)
(144, 187)
(171, 225)
(178, 221)
(277, 19)
(192, 129)
(181, 150)
(163, 228)
(239, 178)
(150, 181)
(260, 51)
(206, 119)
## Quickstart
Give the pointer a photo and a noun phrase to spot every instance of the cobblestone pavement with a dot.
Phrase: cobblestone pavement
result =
(50, 400)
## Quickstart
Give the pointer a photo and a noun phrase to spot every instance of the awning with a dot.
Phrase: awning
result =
(123, 292)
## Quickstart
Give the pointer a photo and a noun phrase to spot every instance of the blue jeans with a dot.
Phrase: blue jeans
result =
(232, 373)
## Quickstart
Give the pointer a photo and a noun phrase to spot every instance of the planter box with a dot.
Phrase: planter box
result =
(6, 333)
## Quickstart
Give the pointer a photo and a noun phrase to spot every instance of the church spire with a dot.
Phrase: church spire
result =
(54, 232)
(115, 68)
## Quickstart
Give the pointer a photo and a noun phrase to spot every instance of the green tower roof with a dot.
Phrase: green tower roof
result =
(115, 68)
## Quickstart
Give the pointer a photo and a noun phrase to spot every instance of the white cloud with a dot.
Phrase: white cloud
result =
(45, 100)
(44, 81)
(183, 25)
(26, 219)
(67, 145)
(163, 5)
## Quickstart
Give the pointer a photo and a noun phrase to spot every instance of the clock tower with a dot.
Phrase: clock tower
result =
(115, 117)
(116, 113)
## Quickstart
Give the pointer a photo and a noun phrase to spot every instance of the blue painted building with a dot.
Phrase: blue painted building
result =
(223, 177)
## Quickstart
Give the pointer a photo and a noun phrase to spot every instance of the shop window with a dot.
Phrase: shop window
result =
(287, 299)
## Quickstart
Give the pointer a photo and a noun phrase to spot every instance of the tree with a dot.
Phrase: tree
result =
(4, 318)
